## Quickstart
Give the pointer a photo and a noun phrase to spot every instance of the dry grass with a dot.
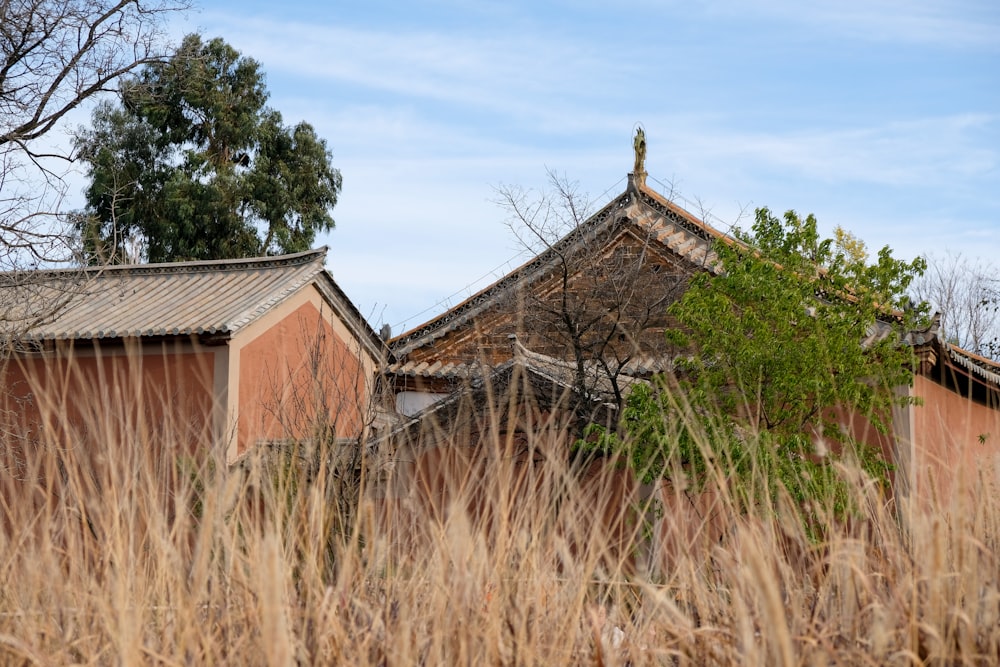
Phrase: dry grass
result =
(115, 550)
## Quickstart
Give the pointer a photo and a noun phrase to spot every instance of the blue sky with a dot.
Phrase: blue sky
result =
(880, 116)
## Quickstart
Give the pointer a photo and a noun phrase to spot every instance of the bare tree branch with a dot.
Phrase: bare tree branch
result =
(966, 292)
(54, 56)
(602, 304)
(58, 53)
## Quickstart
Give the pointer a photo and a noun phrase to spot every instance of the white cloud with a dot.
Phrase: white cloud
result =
(957, 24)
(424, 122)
(899, 153)
(502, 73)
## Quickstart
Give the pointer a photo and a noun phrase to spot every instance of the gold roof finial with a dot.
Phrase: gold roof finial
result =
(639, 170)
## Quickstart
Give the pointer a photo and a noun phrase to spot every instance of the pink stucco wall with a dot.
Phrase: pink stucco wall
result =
(296, 375)
(955, 441)
(159, 391)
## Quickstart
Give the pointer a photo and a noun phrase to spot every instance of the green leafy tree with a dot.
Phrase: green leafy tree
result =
(792, 329)
(192, 164)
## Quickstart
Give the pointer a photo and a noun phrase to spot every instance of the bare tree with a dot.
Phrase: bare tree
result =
(966, 292)
(325, 406)
(600, 303)
(54, 56)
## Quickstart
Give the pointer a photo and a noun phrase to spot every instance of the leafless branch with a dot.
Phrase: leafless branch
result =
(54, 56)
(602, 301)
(966, 292)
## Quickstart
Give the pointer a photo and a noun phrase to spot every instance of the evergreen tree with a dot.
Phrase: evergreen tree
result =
(192, 164)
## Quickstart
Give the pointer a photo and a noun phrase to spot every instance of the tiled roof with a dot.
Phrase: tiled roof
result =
(679, 232)
(564, 373)
(984, 368)
(181, 298)
(976, 365)
(676, 229)
(637, 367)
(551, 380)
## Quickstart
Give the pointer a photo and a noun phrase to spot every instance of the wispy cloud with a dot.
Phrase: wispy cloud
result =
(505, 74)
(764, 102)
(957, 24)
(899, 153)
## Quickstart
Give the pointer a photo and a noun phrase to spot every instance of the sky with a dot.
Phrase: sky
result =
(881, 116)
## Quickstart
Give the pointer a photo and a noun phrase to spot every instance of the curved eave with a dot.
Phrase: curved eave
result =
(984, 369)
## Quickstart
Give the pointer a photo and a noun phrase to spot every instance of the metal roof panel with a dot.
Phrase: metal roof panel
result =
(180, 298)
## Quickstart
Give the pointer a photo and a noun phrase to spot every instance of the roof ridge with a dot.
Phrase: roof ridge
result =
(475, 302)
(268, 261)
(221, 296)
(248, 316)
(689, 220)
(633, 194)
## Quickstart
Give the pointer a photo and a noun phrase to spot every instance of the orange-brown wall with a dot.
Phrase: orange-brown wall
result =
(509, 488)
(297, 373)
(954, 440)
(163, 390)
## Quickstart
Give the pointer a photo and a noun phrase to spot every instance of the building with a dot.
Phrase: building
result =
(588, 315)
(950, 441)
(230, 353)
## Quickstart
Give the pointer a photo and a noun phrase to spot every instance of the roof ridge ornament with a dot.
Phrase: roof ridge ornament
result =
(638, 176)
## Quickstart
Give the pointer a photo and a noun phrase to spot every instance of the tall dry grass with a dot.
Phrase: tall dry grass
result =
(118, 547)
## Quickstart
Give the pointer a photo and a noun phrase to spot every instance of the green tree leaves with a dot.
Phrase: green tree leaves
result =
(192, 165)
(790, 335)
(793, 327)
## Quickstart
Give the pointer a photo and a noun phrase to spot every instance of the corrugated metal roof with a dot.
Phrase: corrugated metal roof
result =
(180, 298)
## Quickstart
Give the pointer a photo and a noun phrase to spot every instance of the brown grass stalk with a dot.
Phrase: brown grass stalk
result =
(117, 549)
